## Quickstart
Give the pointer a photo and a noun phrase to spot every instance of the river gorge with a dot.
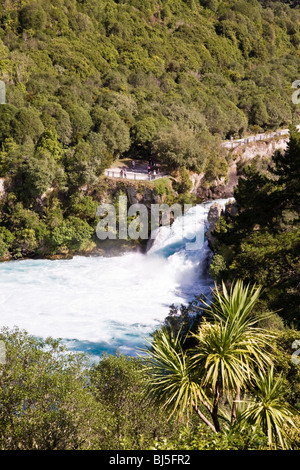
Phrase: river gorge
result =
(101, 304)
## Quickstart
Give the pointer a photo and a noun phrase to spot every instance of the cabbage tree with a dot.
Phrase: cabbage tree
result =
(229, 348)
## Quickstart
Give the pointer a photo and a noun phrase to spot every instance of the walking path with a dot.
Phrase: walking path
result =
(255, 138)
(140, 171)
(131, 174)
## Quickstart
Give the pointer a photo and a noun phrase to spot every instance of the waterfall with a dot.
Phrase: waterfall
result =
(100, 304)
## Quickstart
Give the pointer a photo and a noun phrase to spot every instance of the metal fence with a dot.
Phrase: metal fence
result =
(131, 175)
(2, 92)
(256, 138)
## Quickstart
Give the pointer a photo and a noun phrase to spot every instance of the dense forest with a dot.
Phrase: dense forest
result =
(89, 82)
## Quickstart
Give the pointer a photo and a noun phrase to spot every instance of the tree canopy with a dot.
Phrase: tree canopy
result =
(90, 82)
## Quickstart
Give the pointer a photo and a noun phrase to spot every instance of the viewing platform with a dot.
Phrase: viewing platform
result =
(139, 170)
(132, 175)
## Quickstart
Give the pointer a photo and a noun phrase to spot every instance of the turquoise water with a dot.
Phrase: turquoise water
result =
(97, 304)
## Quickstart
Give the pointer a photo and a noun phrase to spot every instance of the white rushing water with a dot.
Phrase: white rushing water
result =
(100, 304)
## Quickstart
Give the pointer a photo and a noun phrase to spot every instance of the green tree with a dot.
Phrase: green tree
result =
(177, 148)
(81, 121)
(286, 167)
(45, 402)
(33, 16)
(83, 206)
(49, 142)
(39, 172)
(74, 234)
(6, 240)
(27, 124)
(101, 157)
(143, 132)
(228, 350)
(53, 115)
(28, 230)
(269, 411)
(118, 384)
(7, 115)
(114, 133)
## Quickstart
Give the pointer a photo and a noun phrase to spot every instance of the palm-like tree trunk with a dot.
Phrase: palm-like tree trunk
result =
(215, 408)
(228, 347)
(203, 417)
(234, 405)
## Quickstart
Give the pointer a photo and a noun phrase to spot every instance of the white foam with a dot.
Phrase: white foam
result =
(107, 301)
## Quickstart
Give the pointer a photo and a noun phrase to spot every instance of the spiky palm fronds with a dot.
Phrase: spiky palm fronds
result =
(172, 381)
(269, 411)
(231, 346)
(230, 349)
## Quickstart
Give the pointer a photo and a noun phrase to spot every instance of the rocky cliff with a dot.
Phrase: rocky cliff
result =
(238, 157)
(215, 212)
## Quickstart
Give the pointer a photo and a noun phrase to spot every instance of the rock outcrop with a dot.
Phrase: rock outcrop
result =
(219, 189)
(214, 214)
(141, 195)
(241, 155)
(264, 148)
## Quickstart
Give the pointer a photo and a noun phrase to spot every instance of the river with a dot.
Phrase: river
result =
(97, 304)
